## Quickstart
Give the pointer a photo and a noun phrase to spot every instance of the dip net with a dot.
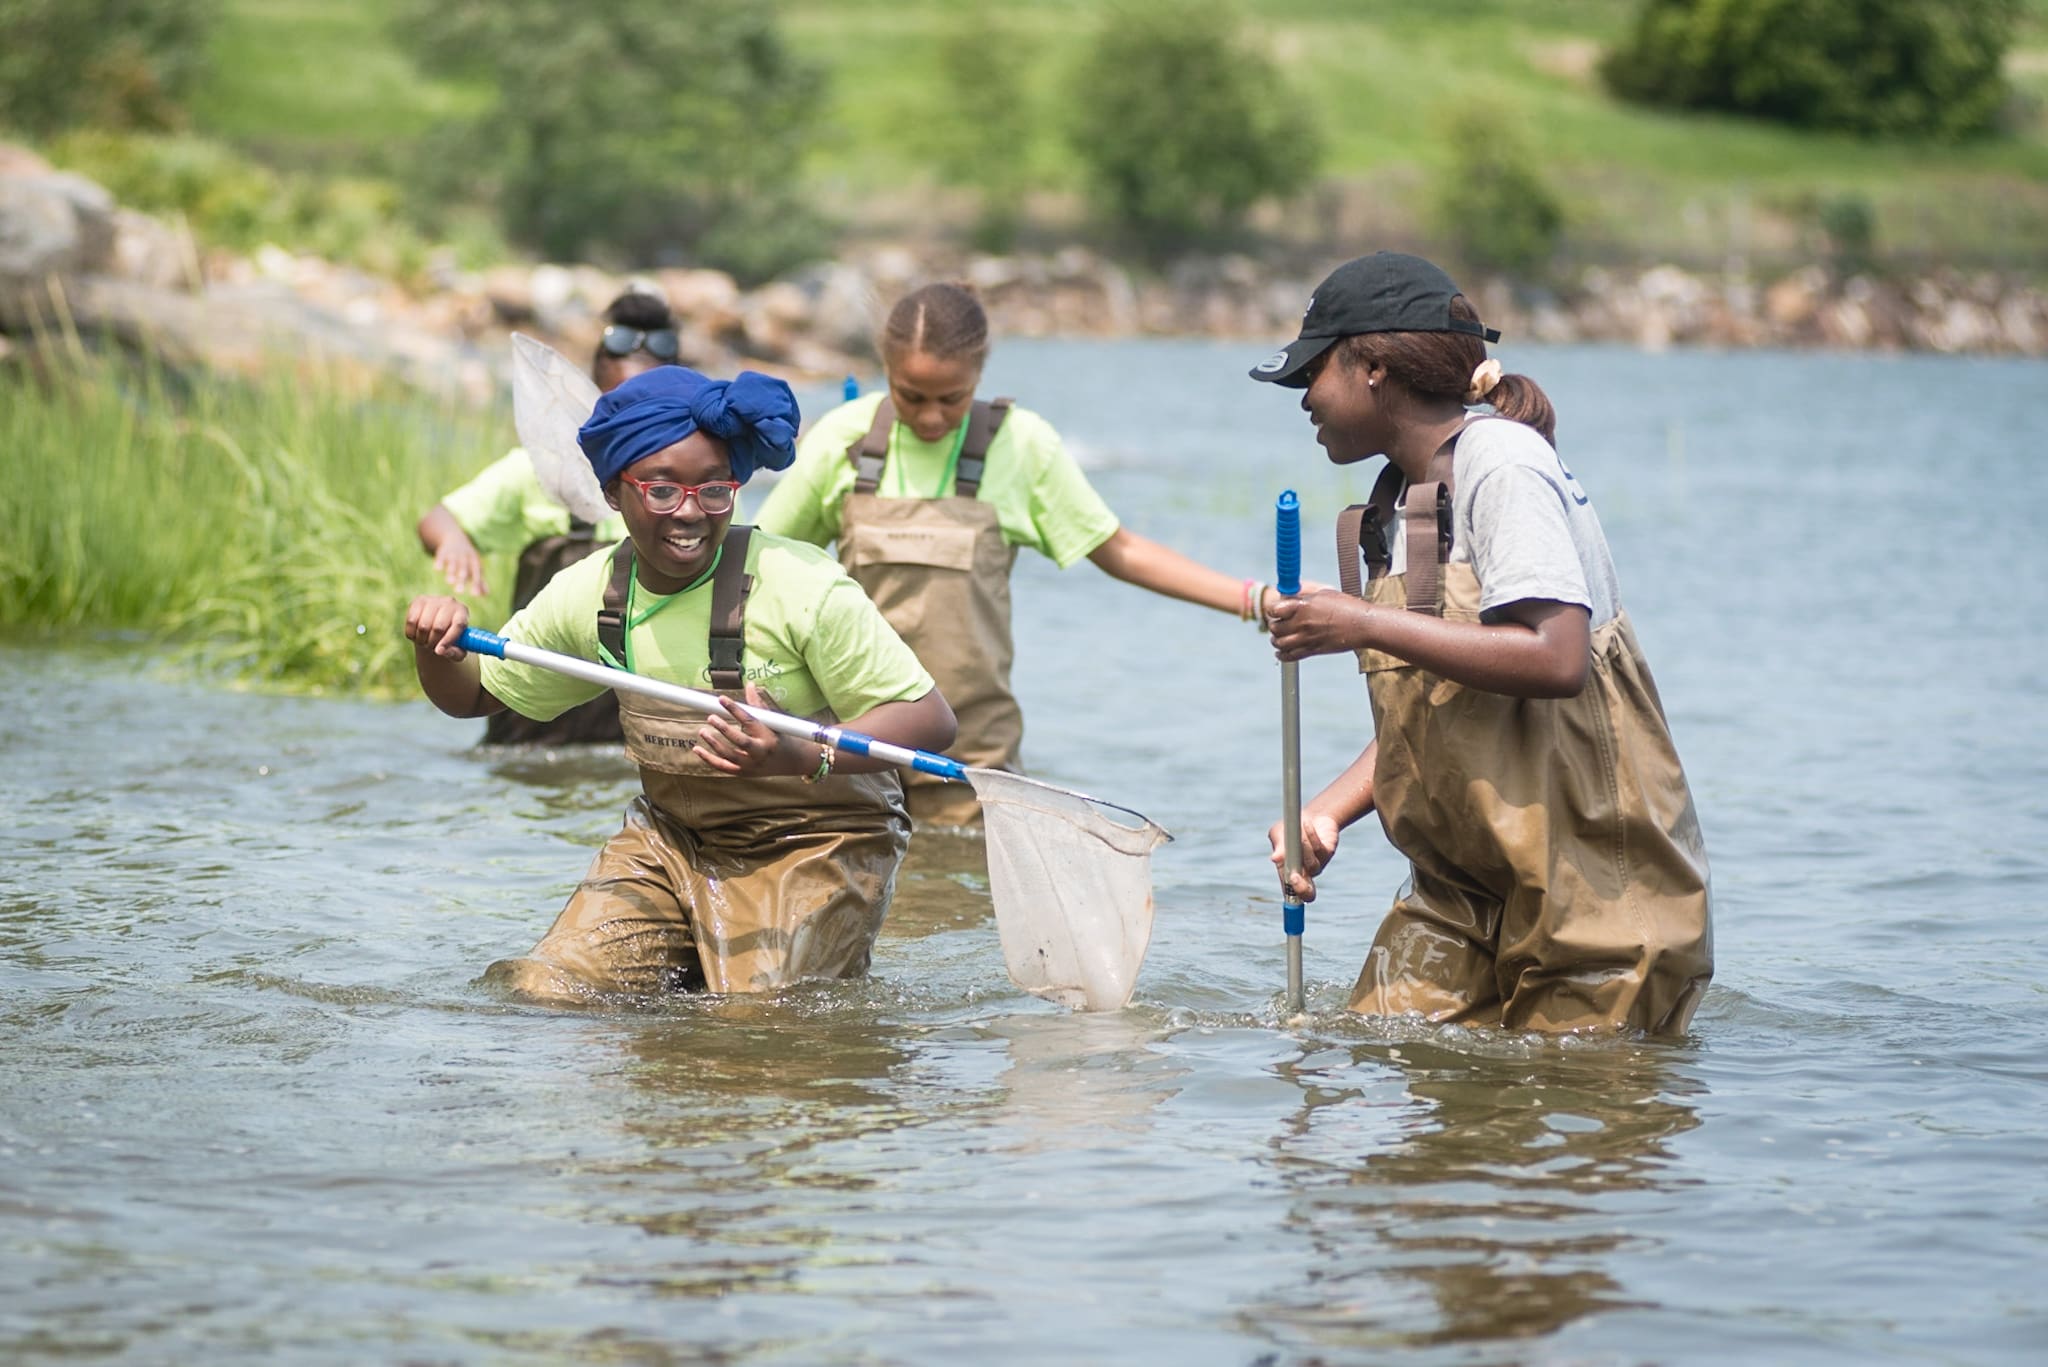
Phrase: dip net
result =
(1071, 877)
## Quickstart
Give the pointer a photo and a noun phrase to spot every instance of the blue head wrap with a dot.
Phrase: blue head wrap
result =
(754, 414)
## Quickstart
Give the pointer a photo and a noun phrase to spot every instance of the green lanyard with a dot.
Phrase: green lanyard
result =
(633, 589)
(952, 461)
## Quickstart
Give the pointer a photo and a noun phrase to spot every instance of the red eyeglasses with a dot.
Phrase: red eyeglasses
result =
(661, 496)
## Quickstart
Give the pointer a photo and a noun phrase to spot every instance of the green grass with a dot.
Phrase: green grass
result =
(321, 83)
(319, 80)
(265, 529)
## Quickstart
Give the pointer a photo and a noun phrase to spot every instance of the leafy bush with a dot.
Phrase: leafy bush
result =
(1181, 126)
(1849, 222)
(232, 202)
(648, 130)
(1892, 68)
(980, 133)
(1492, 205)
(114, 63)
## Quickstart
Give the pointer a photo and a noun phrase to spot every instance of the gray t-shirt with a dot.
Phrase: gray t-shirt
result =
(1524, 524)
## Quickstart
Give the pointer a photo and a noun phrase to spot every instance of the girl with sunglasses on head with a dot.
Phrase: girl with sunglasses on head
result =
(929, 491)
(1521, 759)
(505, 509)
(750, 859)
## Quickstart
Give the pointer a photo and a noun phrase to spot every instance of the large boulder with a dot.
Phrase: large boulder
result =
(55, 229)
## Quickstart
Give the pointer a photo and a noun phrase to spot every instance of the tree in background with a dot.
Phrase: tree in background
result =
(1491, 204)
(1181, 126)
(647, 130)
(982, 133)
(111, 63)
(1888, 68)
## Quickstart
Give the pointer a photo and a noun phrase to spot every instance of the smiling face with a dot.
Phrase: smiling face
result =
(674, 548)
(1344, 401)
(931, 394)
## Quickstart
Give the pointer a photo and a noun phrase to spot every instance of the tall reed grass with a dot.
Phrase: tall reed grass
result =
(265, 528)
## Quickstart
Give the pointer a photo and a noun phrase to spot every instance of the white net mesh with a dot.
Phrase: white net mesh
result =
(1072, 887)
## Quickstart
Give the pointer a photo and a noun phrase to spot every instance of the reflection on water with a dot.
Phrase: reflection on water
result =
(1467, 1194)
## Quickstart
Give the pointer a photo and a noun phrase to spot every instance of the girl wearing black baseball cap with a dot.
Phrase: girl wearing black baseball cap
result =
(1521, 758)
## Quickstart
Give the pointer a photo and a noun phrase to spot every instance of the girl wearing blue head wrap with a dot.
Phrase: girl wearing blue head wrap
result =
(750, 859)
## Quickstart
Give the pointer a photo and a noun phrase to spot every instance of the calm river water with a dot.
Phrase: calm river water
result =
(255, 1108)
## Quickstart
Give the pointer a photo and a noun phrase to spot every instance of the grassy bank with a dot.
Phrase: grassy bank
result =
(319, 82)
(265, 530)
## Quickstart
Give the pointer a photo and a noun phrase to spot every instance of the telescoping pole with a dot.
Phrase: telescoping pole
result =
(1293, 912)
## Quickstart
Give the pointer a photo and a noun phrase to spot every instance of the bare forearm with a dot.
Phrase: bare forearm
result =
(924, 724)
(1541, 650)
(436, 525)
(454, 686)
(1507, 658)
(1348, 797)
(1148, 564)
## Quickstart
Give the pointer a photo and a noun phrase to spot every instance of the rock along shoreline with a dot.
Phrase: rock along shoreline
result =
(74, 261)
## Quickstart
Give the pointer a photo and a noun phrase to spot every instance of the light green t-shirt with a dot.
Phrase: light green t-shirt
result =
(813, 640)
(1040, 495)
(505, 509)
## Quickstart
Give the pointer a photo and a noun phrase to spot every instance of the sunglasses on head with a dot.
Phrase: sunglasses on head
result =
(619, 340)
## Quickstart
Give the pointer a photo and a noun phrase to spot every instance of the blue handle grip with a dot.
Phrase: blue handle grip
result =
(1287, 542)
(477, 641)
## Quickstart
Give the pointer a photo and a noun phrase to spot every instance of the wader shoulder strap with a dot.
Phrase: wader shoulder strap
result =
(1426, 518)
(730, 586)
(1362, 532)
(984, 420)
(871, 452)
(611, 618)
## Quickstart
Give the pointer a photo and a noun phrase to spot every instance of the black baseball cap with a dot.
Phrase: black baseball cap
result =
(1384, 292)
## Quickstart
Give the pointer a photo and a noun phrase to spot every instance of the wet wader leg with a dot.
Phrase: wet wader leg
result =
(624, 930)
(1434, 954)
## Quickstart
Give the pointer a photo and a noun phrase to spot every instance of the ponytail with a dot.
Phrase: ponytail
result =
(1522, 399)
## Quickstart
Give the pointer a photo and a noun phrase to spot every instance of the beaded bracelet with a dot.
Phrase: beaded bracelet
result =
(824, 766)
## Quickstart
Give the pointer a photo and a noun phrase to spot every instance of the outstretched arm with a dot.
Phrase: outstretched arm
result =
(1142, 561)
(1543, 649)
(455, 555)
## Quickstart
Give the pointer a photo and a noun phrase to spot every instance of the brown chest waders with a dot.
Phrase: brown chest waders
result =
(1558, 877)
(717, 883)
(939, 570)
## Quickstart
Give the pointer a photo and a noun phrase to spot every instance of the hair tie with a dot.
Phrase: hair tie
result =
(1485, 379)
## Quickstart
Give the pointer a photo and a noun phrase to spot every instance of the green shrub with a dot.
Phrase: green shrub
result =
(112, 63)
(231, 202)
(1181, 126)
(1889, 68)
(642, 131)
(1849, 222)
(1491, 204)
(981, 130)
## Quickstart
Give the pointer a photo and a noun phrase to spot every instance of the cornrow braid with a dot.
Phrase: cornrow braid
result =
(943, 320)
